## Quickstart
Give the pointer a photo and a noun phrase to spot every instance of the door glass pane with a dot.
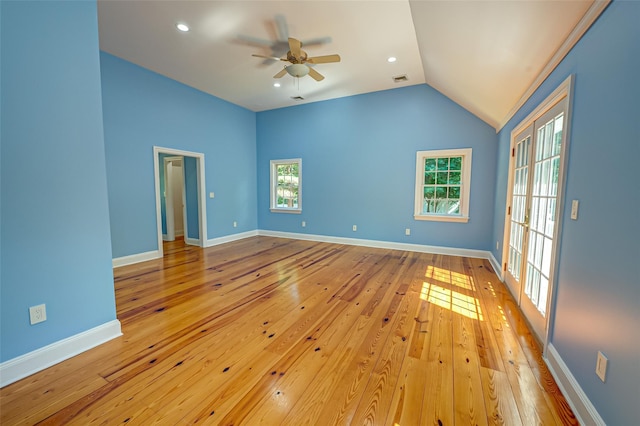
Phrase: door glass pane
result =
(546, 257)
(555, 172)
(544, 178)
(540, 144)
(557, 136)
(542, 214)
(546, 170)
(544, 292)
(548, 133)
(537, 179)
(551, 217)
(518, 208)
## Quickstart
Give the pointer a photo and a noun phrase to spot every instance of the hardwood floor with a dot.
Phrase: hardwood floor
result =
(285, 332)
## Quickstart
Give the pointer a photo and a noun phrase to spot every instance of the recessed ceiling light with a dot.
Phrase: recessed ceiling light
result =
(391, 59)
(276, 84)
(182, 27)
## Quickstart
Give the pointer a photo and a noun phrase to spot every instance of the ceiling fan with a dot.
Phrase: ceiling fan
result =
(299, 60)
(279, 45)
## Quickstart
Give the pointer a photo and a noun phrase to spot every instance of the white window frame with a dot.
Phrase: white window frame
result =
(274, 182)
(465, 185)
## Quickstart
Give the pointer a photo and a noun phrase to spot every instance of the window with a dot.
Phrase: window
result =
(443, 179)
(286, 186)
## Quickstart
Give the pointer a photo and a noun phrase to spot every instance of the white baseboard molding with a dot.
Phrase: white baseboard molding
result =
(496, 266)
(136, 258)
(32, 362)
(481, 254)
(582, 407)
(228, 238)
(165, 237)
(192, 241)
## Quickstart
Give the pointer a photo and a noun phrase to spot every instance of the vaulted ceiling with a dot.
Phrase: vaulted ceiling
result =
(485, 55)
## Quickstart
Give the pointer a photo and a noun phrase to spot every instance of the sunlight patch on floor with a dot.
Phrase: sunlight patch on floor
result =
(449, 277)
(452, 300)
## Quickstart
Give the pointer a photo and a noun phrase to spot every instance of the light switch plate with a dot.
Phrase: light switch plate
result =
(601, 366)
(574, 209)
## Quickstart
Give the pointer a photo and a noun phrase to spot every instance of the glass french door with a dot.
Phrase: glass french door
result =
(532, 216)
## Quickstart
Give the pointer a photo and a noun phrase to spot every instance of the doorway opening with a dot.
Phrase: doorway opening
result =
(180, 196)
(174, 202)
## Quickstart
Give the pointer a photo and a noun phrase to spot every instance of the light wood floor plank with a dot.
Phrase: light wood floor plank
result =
(285, 332)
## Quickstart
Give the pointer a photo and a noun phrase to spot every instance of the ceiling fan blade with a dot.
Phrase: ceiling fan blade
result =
(281, 73)
(315, 41)
(295, 46)
(282, 28)
(254, 41)
(267, 57)
(315, 74)
(324, 59)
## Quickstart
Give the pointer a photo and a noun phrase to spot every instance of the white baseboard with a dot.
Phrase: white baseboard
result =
(136, 258)
(192, 241)
(32, 362)
(496, 266)
(582, 407)
(233, 237)
(481, 254)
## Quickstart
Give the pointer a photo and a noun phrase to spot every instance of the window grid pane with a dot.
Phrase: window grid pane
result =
(287, 178)
(442, 186)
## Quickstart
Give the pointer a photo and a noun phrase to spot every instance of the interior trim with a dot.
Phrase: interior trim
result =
(228, 238)
(136, 258)
(582, 407)
(35, 361)
(481, 254)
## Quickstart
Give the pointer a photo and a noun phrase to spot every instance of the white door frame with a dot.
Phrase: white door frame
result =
(563, 91)
(202, 205)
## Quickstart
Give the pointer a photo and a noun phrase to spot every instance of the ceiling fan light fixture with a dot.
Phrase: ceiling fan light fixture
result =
(182, 27)
(391, 59)
(297, 70)
(276, 84)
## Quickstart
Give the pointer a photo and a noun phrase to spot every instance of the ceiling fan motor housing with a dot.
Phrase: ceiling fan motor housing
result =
(297, 70)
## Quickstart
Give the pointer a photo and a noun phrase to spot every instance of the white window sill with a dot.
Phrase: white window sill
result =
(294, 211)
(442, 218)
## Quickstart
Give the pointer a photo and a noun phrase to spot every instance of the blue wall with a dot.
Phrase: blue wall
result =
(55, 226)
(358, 165)
(598, 288)
(143, 109)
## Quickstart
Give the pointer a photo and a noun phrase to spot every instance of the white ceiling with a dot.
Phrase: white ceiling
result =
(482, 54)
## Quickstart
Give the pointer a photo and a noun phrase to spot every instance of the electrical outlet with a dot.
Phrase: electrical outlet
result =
(235, 224)
(601, 366)
(37, 314)
(355, 228)
(211, 195)
(304, 223)
(497, 245)
(407, 231)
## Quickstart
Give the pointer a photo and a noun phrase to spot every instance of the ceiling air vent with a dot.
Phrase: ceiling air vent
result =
(297, 98)
(400, 78)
